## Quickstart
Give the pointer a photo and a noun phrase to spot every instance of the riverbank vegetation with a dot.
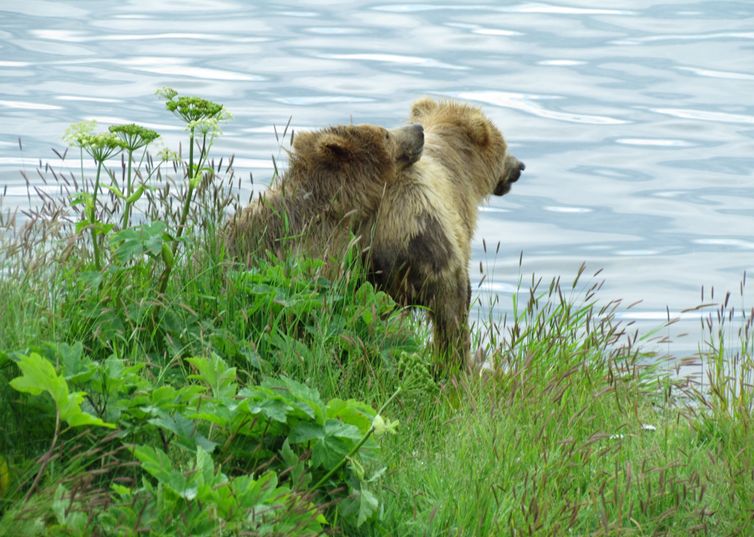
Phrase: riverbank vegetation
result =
(150, 386)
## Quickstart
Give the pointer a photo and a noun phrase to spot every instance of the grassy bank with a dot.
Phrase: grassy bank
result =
(149, 386)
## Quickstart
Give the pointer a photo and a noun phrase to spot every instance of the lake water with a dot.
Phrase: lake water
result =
(635, 118)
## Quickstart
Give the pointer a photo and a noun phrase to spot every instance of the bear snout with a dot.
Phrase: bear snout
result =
(419, 132)
(410, 143)
(514, 168)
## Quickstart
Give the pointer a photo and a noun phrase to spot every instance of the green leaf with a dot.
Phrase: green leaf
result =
(213, 413)
(117, 192)
(82, 225)
(274, 409)
(120, 490)
(205, 477)
(304, 432)
(361, 505)
(101, 228)
(338, 441)
(91, 279)
(38, 375)
(81, 198)
(158, 465)
(216, 373)
(300, 478)
(72, 521)
(135, 242)
(76, 366)
(184, 429)
(337, 429)
(133, 198)
(301, 396)
(352, 412)
(167, 255)
(368, 505)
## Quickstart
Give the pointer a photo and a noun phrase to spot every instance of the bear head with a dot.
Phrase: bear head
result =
(473, 145)
(348, 167)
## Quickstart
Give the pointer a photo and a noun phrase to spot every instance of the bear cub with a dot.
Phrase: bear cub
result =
(335, 181)
(422, 230)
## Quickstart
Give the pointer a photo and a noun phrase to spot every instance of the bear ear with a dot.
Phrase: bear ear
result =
(333, 147)
(480, 131)
(422, 107)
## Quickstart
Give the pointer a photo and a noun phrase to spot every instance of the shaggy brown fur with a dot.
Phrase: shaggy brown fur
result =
(335, 181)
(422, 230)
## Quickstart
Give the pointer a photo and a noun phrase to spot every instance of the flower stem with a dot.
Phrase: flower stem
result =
(129, 191)
(165, 277)
(92, 217)
(189, 194)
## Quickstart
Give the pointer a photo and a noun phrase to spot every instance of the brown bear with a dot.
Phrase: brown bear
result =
(421, 232)
(414, 217)
(335, 181)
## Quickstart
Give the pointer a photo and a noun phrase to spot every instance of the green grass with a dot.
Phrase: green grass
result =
(150, 386)
(558, 443)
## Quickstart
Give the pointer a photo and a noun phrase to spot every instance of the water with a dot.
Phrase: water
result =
(636, 121)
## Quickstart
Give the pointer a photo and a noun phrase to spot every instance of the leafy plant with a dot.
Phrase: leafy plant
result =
(38, 375)
(307, 452)
(202, 117)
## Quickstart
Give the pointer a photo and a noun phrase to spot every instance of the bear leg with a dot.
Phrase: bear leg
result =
(450, 316)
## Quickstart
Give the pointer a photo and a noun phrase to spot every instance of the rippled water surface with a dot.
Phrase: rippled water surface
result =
(635, 118)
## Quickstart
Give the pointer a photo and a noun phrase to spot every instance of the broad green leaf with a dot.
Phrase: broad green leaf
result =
(120, 490)
(304, 432)
(255, 492)
(299, 395)
(216, 373)
(205, 466)
(300, 478)
(204, 477)
(213, 413)
(352, 412)
(101, 228)
(338, 441)
(74, 364)
(90, 278)
(81, 198)
(274, 409)
(368, 505)
(134, 242)
(184, 429)
(158, 465)
(337, 429)
(38, 375)
(265, 401)
(361, 505)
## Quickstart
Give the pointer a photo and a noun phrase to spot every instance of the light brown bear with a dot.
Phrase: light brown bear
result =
(335, 181)
(422, 230)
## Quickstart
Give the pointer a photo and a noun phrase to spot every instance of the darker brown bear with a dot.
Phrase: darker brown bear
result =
(335, 181)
